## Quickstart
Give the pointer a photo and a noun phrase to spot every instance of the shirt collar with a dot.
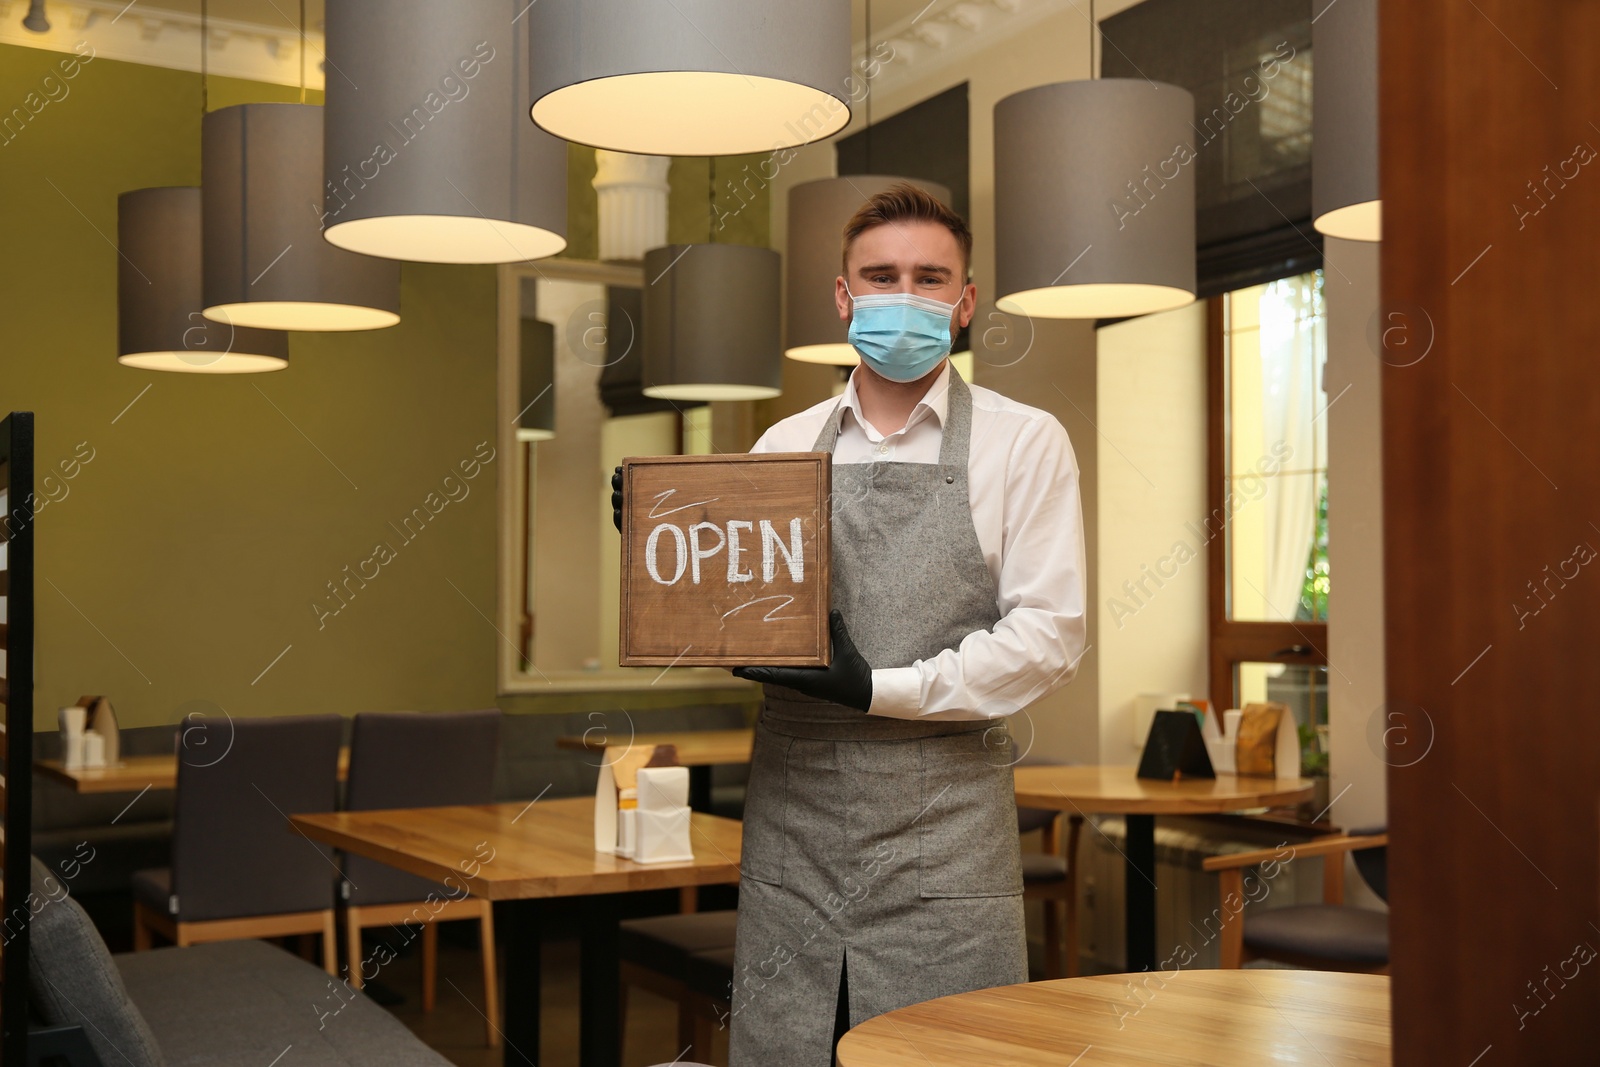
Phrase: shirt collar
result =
(935, 403)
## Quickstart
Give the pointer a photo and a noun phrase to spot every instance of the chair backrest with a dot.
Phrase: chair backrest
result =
(409, 759)
(234, 852)
(1372, 863)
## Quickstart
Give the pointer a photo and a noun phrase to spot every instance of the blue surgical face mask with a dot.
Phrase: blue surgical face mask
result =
(901, 336)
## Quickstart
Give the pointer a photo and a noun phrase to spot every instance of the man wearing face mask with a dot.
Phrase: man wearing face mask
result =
(880, 864)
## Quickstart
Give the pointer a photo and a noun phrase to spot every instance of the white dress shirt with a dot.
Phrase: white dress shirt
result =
(1023, 489)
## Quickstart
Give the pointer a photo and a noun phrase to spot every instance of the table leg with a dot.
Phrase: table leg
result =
(1139, 891)
(521, 965)
(599, 983)
(700, 787)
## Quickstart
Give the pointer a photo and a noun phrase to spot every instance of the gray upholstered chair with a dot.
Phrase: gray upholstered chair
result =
(657, 954)
(1051, 876)
(419, 760)
(239, 869)
(1331, 936)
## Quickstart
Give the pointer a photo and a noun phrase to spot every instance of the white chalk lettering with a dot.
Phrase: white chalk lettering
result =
(683, 554)
(734, 573)
(702, 541)
(697, 553)
(792, 556)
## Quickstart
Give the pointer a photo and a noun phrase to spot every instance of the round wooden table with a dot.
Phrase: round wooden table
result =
(1091, 790)
(1179, 1019)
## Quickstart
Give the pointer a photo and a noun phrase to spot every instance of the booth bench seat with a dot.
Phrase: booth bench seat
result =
(239, 1002)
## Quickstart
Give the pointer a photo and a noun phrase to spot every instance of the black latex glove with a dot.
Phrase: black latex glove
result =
(616, 498)
(846, 680)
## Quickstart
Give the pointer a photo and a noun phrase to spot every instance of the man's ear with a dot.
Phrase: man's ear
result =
(968, 305)
(841, 298)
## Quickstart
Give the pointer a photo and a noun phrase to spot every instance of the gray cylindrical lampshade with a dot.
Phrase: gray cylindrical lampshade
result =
(266, 264)
(1094, 201)
(159, 324)
(433, 158)
(818, 212)
(536, 419)
(711, 323)
(691, 77)
(1344, 122)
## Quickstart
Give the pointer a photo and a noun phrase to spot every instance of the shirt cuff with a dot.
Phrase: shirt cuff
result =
(896, 692)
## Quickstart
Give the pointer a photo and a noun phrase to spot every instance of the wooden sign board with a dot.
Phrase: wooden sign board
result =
(725, 560)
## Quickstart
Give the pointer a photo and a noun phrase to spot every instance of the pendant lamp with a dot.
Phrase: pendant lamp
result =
(433, 158)
(711, 323)
(1094, 199)
(1344, 122)
(818, 211)
(159, 324)
(536, 417)
(266, 264)
(690, 77)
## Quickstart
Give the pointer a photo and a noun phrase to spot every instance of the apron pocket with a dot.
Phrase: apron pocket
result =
(761, 855)
(967, 831)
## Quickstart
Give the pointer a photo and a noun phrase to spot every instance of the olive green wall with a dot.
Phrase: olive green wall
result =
(180, 567)
(186, 555)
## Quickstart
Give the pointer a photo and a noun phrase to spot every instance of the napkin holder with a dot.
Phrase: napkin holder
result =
(1268, 745)
(661, 819)
(1215, 731)
(102, 719)
(617, 798)
(1175, 748)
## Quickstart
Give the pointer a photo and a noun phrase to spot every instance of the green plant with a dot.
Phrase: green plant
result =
(1313, 761)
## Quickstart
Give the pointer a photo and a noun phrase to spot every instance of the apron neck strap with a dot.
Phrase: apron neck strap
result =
(955, 435)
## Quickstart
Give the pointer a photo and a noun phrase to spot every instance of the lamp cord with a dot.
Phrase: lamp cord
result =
(711, 201)
(303, 51)
(1094, 31)
(866, 71)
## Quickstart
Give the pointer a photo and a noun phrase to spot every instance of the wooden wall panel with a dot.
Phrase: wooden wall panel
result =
(1492, 508)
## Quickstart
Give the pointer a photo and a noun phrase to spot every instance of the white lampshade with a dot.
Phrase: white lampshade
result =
(818, 211)
(1094, 205)
(429, 154)
(711, 323)
(266, 264)
(1344, 122)
(690, 77)
(159, 324)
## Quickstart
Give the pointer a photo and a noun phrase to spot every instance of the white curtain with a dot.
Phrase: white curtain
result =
(1293, 344)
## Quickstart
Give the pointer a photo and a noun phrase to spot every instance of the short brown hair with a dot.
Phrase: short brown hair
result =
(903, 201)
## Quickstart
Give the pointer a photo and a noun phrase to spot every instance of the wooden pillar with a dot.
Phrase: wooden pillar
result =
(1491, 188)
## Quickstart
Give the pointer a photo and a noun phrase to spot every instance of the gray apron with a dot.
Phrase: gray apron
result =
(887, 846)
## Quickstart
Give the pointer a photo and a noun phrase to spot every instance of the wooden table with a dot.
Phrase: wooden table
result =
(1239, 1018)
(131, 774)
(523, 851)
(1089, 790)
(698, 750)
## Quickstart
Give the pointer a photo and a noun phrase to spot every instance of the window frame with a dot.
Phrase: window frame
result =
(1233, 642)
